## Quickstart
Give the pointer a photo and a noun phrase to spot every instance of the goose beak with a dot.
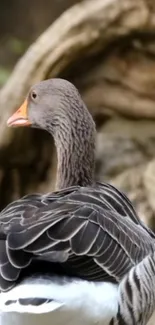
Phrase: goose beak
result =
(20, 117)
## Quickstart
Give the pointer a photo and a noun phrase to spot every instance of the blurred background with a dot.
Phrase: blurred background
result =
(107, 49)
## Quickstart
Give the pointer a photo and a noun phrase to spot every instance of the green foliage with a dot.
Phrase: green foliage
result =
(14, 49)
(17, 46)
(4, 75)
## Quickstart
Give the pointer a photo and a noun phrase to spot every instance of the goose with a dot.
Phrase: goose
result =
(80, 254)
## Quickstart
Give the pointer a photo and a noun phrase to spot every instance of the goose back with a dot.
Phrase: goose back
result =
(87, 232)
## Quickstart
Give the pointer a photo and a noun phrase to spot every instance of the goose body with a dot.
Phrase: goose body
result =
(59, 301)
(79, 254)
(74, 249)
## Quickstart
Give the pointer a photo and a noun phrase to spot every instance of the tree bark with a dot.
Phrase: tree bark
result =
(107, 48)
(84, 30)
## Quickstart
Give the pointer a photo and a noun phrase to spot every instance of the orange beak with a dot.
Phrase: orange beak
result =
(20, 117)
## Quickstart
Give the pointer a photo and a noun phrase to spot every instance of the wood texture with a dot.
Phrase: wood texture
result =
(84, 29)
(107, 48)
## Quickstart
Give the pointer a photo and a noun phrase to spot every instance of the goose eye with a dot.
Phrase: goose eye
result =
(33, 95)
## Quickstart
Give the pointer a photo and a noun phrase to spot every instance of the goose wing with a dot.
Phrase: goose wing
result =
(117, 201)
(72, 234)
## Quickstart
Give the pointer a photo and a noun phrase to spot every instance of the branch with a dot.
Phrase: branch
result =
(84, 29)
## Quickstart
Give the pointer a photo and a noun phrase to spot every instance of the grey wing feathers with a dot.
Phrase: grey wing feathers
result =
(74, 228)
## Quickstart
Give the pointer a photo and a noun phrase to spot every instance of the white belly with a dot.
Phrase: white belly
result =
(74, 302)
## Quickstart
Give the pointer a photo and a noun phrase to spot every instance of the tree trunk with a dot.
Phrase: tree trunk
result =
(107, 49)
(85, 30)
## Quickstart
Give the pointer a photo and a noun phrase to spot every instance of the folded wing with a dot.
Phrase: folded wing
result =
(74, 230)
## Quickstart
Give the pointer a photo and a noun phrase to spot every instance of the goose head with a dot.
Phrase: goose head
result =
(56, 106)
